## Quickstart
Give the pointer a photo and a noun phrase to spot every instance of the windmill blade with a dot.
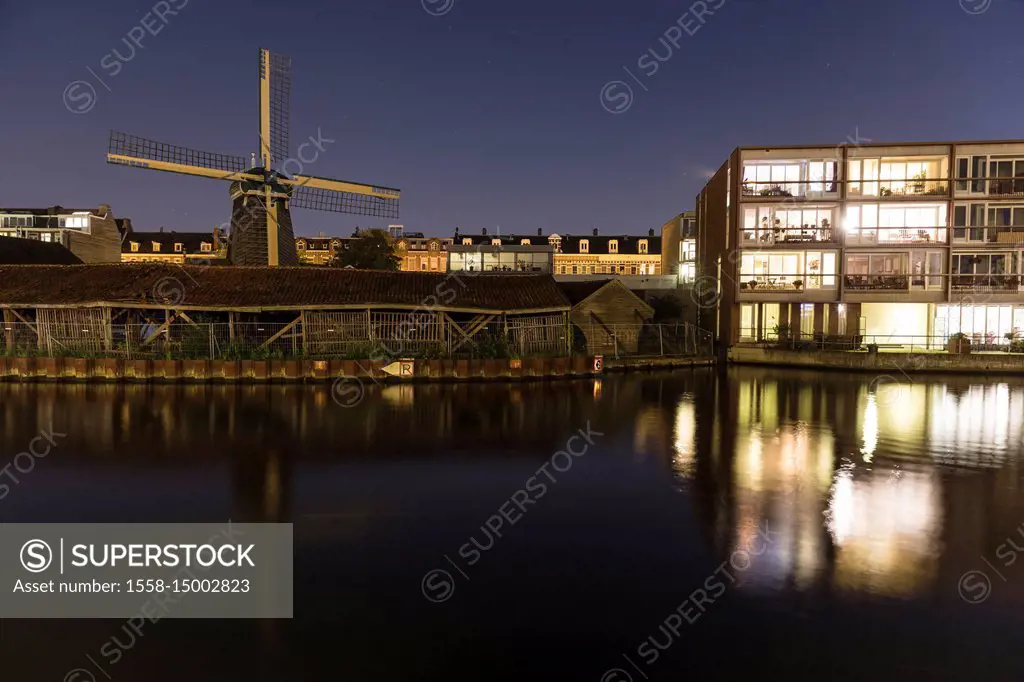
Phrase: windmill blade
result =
(324, 194)
(275, 97)
(141, 152)
(280, 106)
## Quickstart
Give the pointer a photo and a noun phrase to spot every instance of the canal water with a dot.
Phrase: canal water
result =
(756, 524)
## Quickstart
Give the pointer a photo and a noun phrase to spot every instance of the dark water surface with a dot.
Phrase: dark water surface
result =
(755, 525)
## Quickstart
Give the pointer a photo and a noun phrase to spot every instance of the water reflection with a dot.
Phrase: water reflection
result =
(889, 488)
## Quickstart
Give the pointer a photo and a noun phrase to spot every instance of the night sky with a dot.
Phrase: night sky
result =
(489, 113)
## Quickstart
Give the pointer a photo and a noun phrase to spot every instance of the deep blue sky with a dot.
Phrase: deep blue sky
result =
(490, 115)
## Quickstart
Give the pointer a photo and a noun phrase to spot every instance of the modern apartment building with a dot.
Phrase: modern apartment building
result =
(679, 247)
(92, 234)
(899, 242)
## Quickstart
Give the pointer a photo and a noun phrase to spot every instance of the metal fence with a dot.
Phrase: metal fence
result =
(892, 343)
(682, 339)
(361, 337)
(342, 337)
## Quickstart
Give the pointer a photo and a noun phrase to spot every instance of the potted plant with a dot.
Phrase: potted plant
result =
(958, 344)
(1011, 338)
(798, 284)
(752, 283)
(917, 184)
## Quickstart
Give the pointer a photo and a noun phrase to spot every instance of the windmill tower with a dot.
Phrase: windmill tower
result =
(262, 195)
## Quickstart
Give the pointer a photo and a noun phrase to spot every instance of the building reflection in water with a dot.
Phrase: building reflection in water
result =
(846, 472)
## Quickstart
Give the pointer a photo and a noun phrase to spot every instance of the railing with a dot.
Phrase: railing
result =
(990, 283)
(882, 343)
(1000, 187)
(877, 282)
(909, 187)
(896, 235)
(792, 188)
(791, 234)
(788, 283)
(989, 235)
(351, 337)
(649, 340)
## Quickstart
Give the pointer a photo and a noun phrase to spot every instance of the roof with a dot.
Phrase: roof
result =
(629, 244)
(51, 211)
(16, 251)
(578, 292)
(874, 143)
(191, 241)
(286, 288)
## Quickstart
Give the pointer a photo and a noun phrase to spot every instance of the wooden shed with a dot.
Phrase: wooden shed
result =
(606, 315)
(133, 309)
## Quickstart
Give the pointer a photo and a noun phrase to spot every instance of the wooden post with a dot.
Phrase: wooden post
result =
(302, 325)
(9, 330)
(661, 341)
(231, 328)
(108, 331)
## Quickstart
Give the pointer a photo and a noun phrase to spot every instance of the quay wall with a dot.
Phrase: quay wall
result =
(67, 369)
(974, 363)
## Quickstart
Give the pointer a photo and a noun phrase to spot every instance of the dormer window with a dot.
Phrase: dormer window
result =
(524, 242)
(613, 246)
(400, 244)
(302, 244)
(434, 246)
(178, 248)
(206, 247)
(135, 247)
(495, 242)
(156, 247)
(584, 246)
(643, 246)
(467, 241)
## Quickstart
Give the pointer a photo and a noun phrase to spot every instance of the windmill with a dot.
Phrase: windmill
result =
(262, 194)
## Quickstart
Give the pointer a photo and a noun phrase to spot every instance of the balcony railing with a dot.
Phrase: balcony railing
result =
(793, 188)
(911, 187)
(896, 235)
(989, 235)
(999, 187)
(791, 234)
(987, 283)
(785, 283)
(888, 282)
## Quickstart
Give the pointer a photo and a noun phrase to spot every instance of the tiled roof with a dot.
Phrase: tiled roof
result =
(16, 251)
(579, 291)
(255, 287)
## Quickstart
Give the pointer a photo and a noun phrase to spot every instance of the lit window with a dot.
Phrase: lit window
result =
(206, 247)
(135, 247)
(524, 242)
(613, 246)
(301, 244)
(495, 242)
(467, 241)
(643, 246)
(178, 247)
(156, 247)
(584, 246)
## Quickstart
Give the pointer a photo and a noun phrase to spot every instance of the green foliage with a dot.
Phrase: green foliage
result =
(371, 250)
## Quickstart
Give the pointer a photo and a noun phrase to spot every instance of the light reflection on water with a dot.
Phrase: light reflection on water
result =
(851, 474)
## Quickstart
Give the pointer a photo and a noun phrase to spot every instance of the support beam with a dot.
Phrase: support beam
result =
(288, 327)
(9, 329)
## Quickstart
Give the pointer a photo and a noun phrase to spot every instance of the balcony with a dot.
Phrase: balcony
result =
(789, 235)
(887, 282)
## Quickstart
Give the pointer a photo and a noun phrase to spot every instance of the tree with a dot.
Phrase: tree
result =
(370, 250)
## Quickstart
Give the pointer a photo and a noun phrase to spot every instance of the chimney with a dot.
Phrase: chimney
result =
(540, 232)
(650, 232)
(595, 231)
(161, 228)
(485, 232)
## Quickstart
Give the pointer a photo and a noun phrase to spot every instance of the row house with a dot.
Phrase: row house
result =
(173, 247)
(898, 242)
(595, 254)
